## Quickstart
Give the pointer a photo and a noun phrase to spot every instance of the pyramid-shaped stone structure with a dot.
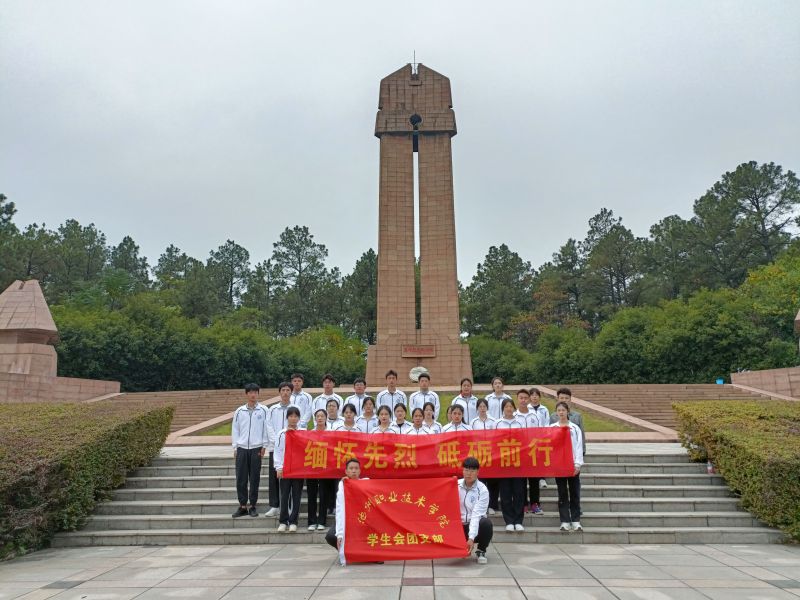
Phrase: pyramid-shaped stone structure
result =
(27, 331)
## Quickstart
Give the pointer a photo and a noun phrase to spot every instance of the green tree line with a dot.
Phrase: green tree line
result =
(690, 302)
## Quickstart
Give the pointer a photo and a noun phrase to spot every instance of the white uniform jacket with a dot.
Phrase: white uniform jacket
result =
(576, 436)
(474, 504)
(303, 401)
(250, 428)
(494, 404)
(418, 400)
(453, 427)
(478, 425)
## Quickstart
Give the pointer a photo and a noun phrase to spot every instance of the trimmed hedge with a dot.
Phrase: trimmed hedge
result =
(57, 460)
(756, 448)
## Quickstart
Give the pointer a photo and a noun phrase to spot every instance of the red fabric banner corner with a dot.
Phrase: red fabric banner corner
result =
(402, 519)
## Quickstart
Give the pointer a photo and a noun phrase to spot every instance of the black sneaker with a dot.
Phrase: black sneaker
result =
(253, 512)
(240, 512)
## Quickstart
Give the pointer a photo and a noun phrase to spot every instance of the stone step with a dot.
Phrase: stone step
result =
(587, 491)
(589, 520)
(590, 459)
(621, 468)
(641, 479)
(549, 504)
(542, 535)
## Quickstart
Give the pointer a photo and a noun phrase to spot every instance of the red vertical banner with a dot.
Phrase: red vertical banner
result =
(404, 519)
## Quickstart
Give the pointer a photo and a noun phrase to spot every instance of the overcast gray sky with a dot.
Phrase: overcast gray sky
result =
(192, 122)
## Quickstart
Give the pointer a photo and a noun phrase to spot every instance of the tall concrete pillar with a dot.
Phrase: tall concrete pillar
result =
(416, 115)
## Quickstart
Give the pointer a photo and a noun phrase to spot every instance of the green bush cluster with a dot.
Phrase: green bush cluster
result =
(57, 460)
(754, 445)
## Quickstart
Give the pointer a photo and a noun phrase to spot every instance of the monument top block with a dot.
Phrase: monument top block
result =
(23, 309)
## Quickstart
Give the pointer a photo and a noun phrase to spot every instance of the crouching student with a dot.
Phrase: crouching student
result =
(569, 488)
(290, 488)
(335, 535)
(250, 437)
(474, 501)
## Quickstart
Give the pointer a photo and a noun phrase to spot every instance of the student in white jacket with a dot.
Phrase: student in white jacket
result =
(512, 489)
(368, 420)
(335, 535)
(400, 425)
(301, 400)
(327, 394)
(290, 488)
(496, 397)
(466, 401)
(250, 438)
(474, 501)
(417, 425)
(569, 488)
(277, 422)
(418, 399)
(456, 423)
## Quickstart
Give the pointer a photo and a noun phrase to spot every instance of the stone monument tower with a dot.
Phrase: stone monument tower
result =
(415, 114)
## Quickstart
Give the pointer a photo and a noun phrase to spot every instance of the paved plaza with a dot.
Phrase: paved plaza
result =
(514, 572)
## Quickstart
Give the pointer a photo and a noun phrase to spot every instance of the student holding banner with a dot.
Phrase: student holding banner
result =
(569, 488)
(474, 501)
(290, 488)
(335, 535)
(318, 488)
(512, 489)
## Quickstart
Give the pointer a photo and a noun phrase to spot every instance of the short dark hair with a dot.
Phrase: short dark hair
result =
(466, 379)
(359, 380)
(383, 407)
(471, 463)
(328, 377)
(371, 401)
(351, 407)
(320, 410)
(523, 391)
(284, 384)
(292, 410)
(424, 376)
(457, 407)
(426, 405)
(352, 459)
(535, 390)
(507, 401)
(334, 400)
(417, 410)
(251, 387)
(483, 401)
(391, 372)
(298, 375)
(562, 403)
(401, 405)
(565, 391)
(497, 378)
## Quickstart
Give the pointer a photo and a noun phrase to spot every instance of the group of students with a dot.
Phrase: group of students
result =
(257, 430)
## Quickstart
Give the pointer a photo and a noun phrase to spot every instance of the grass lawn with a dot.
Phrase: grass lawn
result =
(590, 422)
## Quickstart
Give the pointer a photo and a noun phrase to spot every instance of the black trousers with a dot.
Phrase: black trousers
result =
(493, 485)
(533, 489)
(330, 537)
(569, 498)
(512, 499)
(317, 511)
(274, 488)
(485, 533)
(290, 500)
(248, 470)
(331, 485)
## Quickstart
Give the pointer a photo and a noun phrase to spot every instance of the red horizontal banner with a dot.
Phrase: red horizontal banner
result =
(402, 519)
(532, 452)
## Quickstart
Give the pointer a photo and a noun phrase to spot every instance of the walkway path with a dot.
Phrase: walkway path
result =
(514, 572)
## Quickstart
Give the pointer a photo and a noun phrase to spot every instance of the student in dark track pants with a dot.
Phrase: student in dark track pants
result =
(277, 423)
(317, 488)
(290, 488)
(512, 489)
(250, 437)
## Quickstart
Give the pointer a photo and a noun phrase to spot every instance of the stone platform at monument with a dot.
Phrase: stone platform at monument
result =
(632, 493)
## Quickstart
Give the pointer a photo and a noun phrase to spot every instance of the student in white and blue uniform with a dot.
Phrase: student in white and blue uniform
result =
(250, 438)
(496, 397)
(418, 399)
(512, 489)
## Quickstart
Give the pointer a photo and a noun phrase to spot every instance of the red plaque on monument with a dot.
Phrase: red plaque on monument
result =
(417, 351)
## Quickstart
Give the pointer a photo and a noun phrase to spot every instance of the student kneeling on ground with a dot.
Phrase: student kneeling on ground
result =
(250, 437)
(473, 497)
(335, 535)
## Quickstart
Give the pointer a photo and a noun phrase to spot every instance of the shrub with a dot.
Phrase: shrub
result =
(57, 460)
(754, 445)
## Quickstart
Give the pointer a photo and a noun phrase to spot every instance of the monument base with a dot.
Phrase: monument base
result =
(448, 362)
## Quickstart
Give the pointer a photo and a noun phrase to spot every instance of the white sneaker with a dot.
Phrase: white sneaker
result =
(491, 512)
(519, 527)
(292, 528)
(482, 560)
(576, 526)
(272, 512)
(509, 528)
(564, 527)
(312, 527)
(542, 484)
(321, 528)
(282, 527)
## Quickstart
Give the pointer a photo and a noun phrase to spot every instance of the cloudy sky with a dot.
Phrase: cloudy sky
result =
(191, 122)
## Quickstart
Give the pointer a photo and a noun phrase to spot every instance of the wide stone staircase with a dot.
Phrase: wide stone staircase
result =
(653, 402)
(626, 499)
